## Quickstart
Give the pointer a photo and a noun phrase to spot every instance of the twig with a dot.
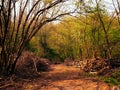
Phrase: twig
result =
(6, 85)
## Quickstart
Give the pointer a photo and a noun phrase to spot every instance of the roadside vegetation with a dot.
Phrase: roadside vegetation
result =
(36, 34)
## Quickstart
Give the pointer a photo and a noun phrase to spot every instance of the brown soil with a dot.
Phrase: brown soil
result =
(59, 78)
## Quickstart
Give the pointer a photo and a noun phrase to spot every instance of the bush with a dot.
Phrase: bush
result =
(42, 64)
(68, 62)
(115, 62)
(116, 75)
(29, 64)
(111, 81)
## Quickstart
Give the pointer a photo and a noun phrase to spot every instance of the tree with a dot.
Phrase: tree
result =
(99, 12)
(19, 22)
(116, 5)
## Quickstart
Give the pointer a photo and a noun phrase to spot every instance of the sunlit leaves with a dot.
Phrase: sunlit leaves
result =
(84, 36)
(47, 1)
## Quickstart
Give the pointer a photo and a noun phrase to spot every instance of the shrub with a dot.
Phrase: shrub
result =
(116, 75)
(111, 81)
(29, 64)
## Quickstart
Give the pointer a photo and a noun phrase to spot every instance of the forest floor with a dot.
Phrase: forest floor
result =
(60, 77)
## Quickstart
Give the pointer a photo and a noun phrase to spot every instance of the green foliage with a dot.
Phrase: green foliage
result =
(111, 81)
(82, 37)
(30, 47)
(51, 54)
(77, 39)
(18, 26)
(116, 75)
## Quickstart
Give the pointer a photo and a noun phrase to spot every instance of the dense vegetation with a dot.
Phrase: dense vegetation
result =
(19, 22)
(84, 29)
(72, 39)
(95, 34)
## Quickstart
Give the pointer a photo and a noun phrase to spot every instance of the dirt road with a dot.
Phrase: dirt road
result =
(66, 78)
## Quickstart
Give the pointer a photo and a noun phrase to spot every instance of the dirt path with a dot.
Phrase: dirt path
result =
(66, 78)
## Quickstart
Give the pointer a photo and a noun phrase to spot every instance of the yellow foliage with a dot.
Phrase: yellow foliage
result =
(47, 1)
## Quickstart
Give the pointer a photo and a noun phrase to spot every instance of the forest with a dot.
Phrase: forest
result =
(95, 33)
(77, 36)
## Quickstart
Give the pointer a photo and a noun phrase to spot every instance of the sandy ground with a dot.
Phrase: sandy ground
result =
(66, 78)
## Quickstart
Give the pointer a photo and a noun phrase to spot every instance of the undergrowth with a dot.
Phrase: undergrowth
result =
(111, 81)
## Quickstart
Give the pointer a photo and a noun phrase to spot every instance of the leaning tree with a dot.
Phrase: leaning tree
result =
(20, 20)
